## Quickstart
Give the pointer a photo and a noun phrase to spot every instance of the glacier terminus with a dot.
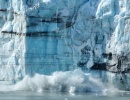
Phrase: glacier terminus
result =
(58, 40)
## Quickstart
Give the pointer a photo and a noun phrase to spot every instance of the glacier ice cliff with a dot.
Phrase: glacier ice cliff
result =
(44, 36)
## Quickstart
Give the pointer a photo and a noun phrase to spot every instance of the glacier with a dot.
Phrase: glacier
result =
(41, 37)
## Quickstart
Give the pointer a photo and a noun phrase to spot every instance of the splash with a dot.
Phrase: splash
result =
(72, 82)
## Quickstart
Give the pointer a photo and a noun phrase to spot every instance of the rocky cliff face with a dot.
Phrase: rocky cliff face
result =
(43, 36)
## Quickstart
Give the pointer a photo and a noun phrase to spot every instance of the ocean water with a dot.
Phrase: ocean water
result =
(26, 95)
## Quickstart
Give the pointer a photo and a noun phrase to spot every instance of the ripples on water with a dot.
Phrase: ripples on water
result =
(21, 95)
